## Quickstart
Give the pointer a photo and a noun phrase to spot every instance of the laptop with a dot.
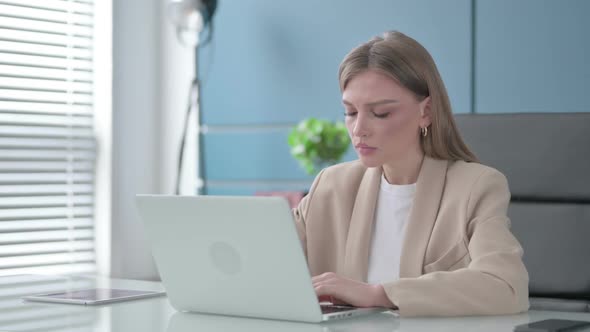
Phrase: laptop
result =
(230, 255)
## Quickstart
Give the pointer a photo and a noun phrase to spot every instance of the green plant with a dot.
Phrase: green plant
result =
(318, 143)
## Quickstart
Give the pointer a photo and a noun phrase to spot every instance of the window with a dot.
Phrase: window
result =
(47, 138)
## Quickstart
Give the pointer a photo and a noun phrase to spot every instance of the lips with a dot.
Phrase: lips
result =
(364, 149)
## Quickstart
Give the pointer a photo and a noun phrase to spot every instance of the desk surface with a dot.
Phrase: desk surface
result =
(156, 314)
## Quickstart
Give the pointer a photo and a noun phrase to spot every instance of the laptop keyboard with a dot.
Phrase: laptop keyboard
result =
(329, 308)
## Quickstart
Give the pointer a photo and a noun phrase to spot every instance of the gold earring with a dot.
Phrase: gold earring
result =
(424, 131)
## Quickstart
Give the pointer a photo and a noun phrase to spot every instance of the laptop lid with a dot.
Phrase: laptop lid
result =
(230, 255)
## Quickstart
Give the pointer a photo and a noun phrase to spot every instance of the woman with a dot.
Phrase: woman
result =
(416, 223)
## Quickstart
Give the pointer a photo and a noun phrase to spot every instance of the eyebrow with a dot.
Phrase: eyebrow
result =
(375, 103)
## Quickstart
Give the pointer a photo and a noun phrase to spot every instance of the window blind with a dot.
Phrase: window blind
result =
(47, 144)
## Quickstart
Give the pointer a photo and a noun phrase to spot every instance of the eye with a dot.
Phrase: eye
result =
(350, 114)
(381, 115)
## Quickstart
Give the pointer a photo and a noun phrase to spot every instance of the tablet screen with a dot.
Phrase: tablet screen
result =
(96, 294)
(93, 296)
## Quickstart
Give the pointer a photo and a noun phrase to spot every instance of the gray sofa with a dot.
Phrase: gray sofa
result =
(546, 158)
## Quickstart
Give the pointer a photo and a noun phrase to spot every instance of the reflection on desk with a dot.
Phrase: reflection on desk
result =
(380, 322)
(144, 315)
(18, 316)
(188, 322)
(156, 314)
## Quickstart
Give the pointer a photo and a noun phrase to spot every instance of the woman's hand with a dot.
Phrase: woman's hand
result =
(355, 293)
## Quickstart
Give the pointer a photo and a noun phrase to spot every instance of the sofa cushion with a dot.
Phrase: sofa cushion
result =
(556, 242)
(545, 156)
(543, 303)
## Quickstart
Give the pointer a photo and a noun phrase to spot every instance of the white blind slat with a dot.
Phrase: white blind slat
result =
(45, 15)
(45, 166)
(47, 140)
(45, 120)
(53, 269)
(45, 248)
(44, 61)
(47, 73)
(46, 236)
(25, 131)
(44, 38)
(45, 212)
(43, 201)
(11, 285)
(48, 27)
(44, 50)
(45, 155)
(46, 177)
(20, 285)
(55, 5)
(47, 143)
(47, 85)
(41, 96)
(46, 189)
(60, 109)
(45, 259)
(44, 224)
(42, 213)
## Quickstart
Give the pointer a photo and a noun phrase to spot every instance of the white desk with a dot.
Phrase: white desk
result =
(156, 314)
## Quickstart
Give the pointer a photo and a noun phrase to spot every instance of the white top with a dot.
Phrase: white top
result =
(392, 214)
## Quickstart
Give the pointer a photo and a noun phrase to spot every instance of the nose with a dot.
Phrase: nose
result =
(360, 128)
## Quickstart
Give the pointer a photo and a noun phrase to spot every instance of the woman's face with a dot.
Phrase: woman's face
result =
(383, 118)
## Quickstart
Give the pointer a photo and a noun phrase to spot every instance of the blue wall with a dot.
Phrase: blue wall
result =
(273, 63)
(532, 56)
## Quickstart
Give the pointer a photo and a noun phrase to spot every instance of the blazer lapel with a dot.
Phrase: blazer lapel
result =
(429, 189)
(356, 257)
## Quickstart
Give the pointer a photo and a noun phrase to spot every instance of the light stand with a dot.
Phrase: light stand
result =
(190, 17)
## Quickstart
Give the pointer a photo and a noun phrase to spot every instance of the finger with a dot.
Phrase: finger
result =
(326, 289)
(337, 301)
(333, 282)
(331, 299)
(318, 284)
(324, 276)
(328, 293)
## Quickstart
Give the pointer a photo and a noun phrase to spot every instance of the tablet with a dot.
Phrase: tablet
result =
(93, 296)
(552, 325)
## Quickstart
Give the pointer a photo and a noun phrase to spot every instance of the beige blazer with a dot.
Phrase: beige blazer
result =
(458, 255)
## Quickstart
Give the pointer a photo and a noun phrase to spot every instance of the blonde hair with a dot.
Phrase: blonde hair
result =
(407, 62)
